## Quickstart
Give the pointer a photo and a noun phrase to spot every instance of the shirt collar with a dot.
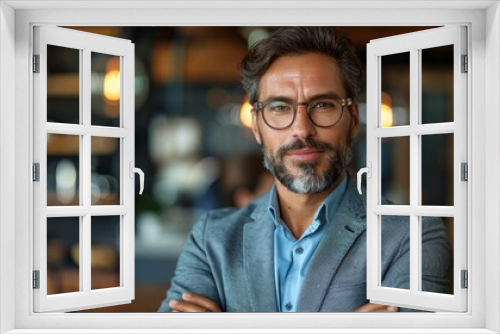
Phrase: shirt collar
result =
(326, 210)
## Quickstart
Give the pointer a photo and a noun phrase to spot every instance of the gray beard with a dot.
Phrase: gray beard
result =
(309, 182)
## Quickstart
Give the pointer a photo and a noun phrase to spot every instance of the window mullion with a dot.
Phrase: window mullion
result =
(414, 170)
(66, 129)
(85, 158)
(109, 210)
(85, 154)
(85, 254)
(76, 129)
(102, 131)
(80, 211)
(419, 129)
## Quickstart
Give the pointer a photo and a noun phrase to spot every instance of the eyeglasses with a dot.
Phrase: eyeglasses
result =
(323, 113)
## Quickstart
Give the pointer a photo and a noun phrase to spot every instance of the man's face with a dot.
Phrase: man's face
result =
(303, 157)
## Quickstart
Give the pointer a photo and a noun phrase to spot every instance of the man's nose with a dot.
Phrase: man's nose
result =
(302, 126)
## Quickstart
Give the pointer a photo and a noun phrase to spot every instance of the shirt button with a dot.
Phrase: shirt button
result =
(299, 250)
(288, 306)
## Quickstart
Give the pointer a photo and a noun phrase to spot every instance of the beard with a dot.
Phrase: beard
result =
(309, 179)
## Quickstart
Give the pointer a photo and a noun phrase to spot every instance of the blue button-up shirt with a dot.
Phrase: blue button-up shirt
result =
(292, 256)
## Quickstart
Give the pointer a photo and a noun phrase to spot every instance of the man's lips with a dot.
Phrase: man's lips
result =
(306, 154)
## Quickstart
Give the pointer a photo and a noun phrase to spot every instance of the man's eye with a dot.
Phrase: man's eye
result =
(279, 107)
(325, 105)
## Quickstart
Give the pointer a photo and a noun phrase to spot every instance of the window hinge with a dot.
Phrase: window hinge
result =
(36, 172)
(464, 171)
(465, 64)
(465, 279)
(36, 63)
(36, 279)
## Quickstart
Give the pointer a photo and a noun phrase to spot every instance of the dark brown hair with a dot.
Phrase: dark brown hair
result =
(285, 41)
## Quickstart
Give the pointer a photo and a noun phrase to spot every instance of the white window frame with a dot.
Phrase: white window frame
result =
(16, 21)
(85, 43)
(414, 44)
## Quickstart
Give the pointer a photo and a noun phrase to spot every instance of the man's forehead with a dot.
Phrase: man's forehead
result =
(304, 63)
(309, 72)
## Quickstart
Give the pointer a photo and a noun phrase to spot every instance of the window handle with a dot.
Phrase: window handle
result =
(368, 171)
(133, 170)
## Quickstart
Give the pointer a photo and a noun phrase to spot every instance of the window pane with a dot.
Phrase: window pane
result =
(63, 85)
(105, 236)
(437, 84)
(395, 256)
(395, 95)
(437, 170)
(63, 235)
(437, 254)
(105, 162)
(63, 169)
(396, 170)
(106, 91)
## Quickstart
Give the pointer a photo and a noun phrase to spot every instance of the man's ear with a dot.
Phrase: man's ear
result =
(255, 128)
(354, 108)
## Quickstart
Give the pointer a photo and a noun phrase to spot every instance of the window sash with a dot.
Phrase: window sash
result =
(413, 43)
(86, 297)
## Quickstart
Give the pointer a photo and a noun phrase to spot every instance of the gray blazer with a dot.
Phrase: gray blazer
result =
(228, 257)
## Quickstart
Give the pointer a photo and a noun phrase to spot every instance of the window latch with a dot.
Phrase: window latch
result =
(133, 170)
(368, 171)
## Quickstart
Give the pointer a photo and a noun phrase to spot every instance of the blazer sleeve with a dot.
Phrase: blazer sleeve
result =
(193, 272)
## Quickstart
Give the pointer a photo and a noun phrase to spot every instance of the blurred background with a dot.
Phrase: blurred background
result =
(194, 144)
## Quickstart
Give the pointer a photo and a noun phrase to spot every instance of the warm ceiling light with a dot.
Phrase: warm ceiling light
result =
(112, 85)
(246, 114)
(386, 114)
(387, 118)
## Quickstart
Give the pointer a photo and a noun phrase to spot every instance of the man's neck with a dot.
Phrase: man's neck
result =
(298, 210)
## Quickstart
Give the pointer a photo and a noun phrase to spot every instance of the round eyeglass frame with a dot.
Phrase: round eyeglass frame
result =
(259, 107)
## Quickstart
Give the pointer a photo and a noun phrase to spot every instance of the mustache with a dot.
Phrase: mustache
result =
(307, 143)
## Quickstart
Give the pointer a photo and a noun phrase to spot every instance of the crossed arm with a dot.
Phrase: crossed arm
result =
(192, 302)
(195, 274)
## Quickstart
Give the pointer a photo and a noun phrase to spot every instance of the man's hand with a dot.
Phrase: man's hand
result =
(192, 302)
(370, 307)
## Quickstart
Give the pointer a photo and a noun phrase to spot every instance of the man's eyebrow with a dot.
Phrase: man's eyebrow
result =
(325, 95)
(280, 98)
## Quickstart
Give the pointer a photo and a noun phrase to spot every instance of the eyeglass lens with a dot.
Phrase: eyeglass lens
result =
(324, 113)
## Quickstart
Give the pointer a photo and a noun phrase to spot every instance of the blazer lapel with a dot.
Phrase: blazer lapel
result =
(258, 255)
(347, 224)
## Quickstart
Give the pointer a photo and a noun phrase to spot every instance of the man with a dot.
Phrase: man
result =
(302, 246)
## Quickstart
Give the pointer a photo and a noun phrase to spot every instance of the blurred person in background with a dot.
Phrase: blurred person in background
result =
(302, 245)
